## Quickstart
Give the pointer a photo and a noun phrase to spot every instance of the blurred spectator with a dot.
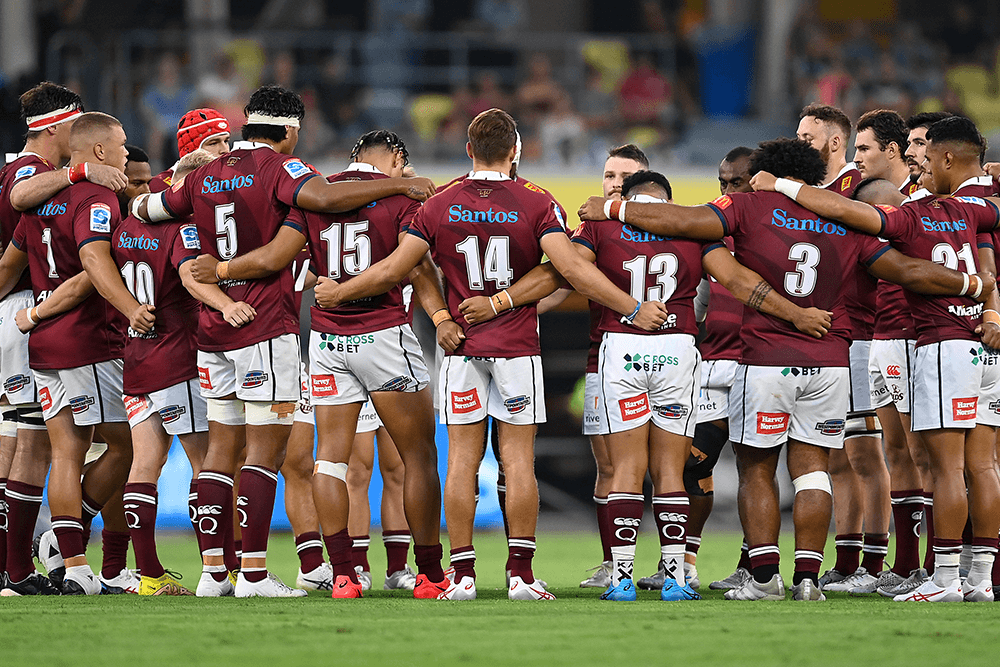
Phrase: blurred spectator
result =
(223, 89)
(646, 96)
(859, 47)
(163, 104)
(540, 93)
(489, 95)
(596, 105)
(501, 16)
(886, 91)
(961, 30)
(562, 133)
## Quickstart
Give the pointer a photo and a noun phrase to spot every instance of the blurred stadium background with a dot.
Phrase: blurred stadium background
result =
(685, 79)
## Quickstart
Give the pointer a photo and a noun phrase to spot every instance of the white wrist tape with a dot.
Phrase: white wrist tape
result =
(818, 481)
(979, 287)
(607, 209)
(621, 212)
(787, 187)
(965, 284)
(331, 469)
(155, 210)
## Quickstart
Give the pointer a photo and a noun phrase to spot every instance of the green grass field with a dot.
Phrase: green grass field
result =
(577, 629)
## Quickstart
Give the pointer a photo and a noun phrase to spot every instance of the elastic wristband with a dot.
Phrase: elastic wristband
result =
(991, 316)
(635, 312)
(32, 319)
(78, 173)
(965, 284)
(493, 305)
(788, 188)
(621, 212)
(222, 270)
(979, 287)
(440, 315)
(613, 210)
(607, 209)
(509, 299)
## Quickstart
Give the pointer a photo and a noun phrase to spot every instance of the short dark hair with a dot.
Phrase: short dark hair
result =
(382, 140)
(273, 101)
(493, 135)
(45, 98)
(645, 176)
(136, 154)
(92, 121)
(737, 153)
(630, 152)
(957, 129)
(828, 114)
(887, 126)
(926, 119)
(789, 158)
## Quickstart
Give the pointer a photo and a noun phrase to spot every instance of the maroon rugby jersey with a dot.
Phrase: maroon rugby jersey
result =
(595, 309)
(342, 245)
(148, 257)
(808, 260)
(161, 181)
(892, 313)
(941, 230)
(846, 182)
(723, 323)
(300, 267)
(238, 203)
(649, 267)
(484, 235)
(52, 235)
(25, 165)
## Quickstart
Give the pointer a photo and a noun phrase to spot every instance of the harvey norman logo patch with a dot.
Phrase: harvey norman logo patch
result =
(964, 409)
(465, 401)
(772, 422)
(635, 407)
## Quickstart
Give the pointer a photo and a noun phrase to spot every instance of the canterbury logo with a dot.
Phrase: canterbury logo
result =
(673, 516)
(625, 521)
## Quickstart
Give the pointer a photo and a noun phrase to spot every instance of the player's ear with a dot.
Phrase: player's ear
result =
(468, 149)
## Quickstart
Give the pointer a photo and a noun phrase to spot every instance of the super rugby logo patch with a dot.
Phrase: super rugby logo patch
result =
(100, 218)
(15, 383)
(254, 379)
(23, 172)
(189, 237)
(296, 168)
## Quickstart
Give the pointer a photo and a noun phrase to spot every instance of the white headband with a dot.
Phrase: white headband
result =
(257, 118)
(40, 122)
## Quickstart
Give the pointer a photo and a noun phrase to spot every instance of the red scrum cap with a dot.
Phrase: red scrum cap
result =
(197, 126)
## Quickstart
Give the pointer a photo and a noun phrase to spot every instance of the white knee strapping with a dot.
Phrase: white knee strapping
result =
(266, 414)
(331, 469)
(818, 481)
(857, 427)
(228, 412)
(8, 429)
(29, 417)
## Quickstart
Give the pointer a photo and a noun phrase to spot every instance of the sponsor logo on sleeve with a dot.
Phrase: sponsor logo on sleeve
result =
(204, 378)
(23, 172)
(100, 218)
(978, 201)
(323, 385)
(635, 407)
(134, 405)
(772, 422)
(254, 379)
(517, 404)
(171, 413)
(465, 401)
(559, 214)
(831, 427)
(80, 404)
(46, 398)
(296, 168)
(964, 409)
(189, 237)
(723, 202)
(528, 185)
(846, 183)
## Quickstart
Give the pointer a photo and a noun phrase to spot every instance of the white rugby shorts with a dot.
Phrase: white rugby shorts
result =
(181, 407)
(267, 371)
(15, 374)
(650, 377)
(593, 411)
(946, 384)
(770, 404)
(510, 390)
(304, 409)
(717, 377)
(93, 392)
(346, 369)
(890, 368)
(988, 410)
(861, 393)
(368, 420)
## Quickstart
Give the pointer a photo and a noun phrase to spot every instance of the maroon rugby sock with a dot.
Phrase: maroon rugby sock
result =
(257, 487)
(140, 508)
(24, 501)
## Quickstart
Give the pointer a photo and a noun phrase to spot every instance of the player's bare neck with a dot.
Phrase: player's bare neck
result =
(834, 167)
(47, 149)
(502, 167)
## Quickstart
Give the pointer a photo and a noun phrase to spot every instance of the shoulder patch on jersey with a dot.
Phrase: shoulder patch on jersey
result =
(24, 172)
(846, 183)
(296, 168)
(168, 180)
(189, 237)
(559, 214)
(100, 218)
(978, 201)
(886, 207)
(528, 185)
(723, 202)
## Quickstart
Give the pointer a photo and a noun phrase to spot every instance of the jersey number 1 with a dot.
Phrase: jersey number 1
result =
(496, 260)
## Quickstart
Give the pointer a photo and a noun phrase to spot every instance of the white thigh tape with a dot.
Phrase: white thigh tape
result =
(267, 414)
(229, 412)
(331, 469)
(818, 481)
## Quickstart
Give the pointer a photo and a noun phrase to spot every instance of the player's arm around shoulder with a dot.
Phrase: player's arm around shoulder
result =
(321, 196)
(857, 215)
(694, 222)
(64, 298)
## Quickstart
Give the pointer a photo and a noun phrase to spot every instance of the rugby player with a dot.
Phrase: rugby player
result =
(79, 386)
(486, 232)
(771, 237)
(828, 130)
(251, 377)
(360, 351)
(952, 388)
(199, 129)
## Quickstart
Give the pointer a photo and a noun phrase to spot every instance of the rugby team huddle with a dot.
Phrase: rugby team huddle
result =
(167, 306)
